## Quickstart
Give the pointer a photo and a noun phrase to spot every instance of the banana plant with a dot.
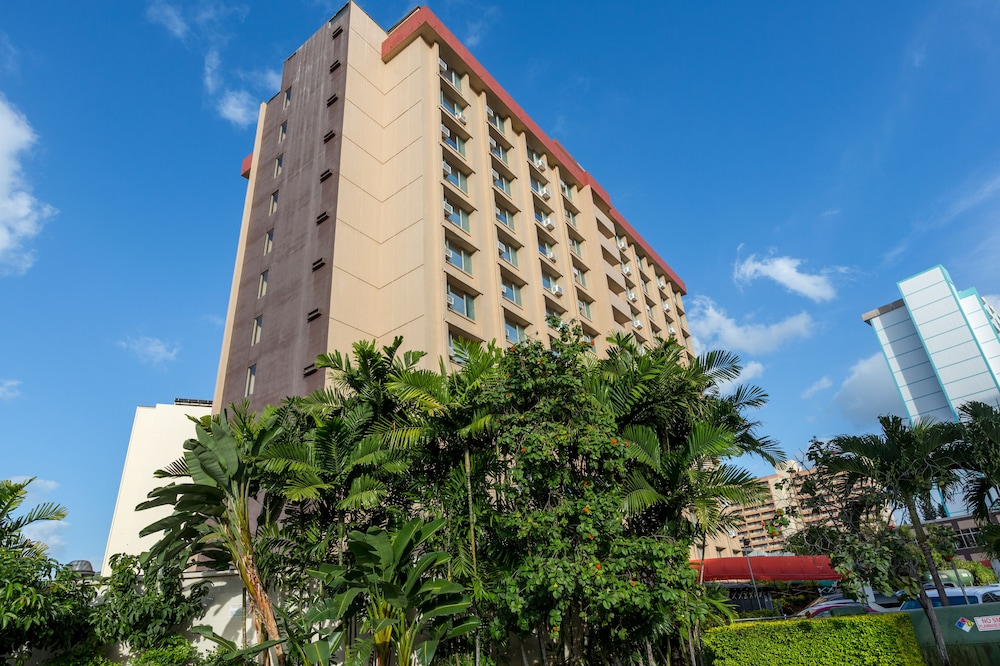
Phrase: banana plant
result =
(390, 587)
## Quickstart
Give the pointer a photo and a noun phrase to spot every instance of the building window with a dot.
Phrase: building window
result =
(497, 150)
(580, 276)
(501, 182)
(452, 352)
(553, 318)
(645, 287)
(277, 165)
(566, 190)
(546, 250)
(536, 158)
(575, 246)
(549, 281)
(456, 142)
(510, 291)
(251, 381)
(507, 252)
(262, 285)
(255, 334)
(454, 176)
(453, 107)
(571, 218)
(460, 302)
(288, 98)
(514, 333)
(494, 119)
(274, 202)
(537, 185)
(584, 307)
(450, 75)
(283, 131)
(268, 241)
(457, 256)
(456, 215)
(544, 219)
(504, 217)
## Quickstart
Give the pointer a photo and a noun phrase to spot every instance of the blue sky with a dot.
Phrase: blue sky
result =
(791, 161)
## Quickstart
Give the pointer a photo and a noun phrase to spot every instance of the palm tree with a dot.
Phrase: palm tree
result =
(12, 495)
(214, 504)
(981, 462)
(906, 463)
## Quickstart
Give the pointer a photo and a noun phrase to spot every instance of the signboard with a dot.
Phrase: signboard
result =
(988, 623)
(964, 624)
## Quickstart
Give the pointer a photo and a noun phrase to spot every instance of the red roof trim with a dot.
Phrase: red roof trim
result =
(247, 164)
(410, 28)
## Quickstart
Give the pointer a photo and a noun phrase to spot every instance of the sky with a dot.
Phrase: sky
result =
(791, 162)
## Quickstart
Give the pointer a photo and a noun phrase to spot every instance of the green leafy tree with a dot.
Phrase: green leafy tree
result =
(143, 605)
(390, 585)
(905, 463)
(219, 506)
(43, 604)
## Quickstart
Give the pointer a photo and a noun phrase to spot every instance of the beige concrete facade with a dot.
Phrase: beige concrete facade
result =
(422, 202)
(157, 439)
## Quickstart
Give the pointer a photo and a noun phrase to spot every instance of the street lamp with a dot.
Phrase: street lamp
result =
(747, 549)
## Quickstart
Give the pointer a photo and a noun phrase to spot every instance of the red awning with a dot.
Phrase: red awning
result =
(779, 567)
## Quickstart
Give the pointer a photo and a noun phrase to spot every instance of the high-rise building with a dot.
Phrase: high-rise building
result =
(942, 345)
(395, 188)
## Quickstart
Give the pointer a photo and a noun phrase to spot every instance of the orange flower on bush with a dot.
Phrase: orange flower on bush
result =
(598, 566)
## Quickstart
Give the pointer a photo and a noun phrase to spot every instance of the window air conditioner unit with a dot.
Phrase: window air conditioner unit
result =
(666, 307)
(551, 255)
(541, 165)
(450, 299)
(556, 290)
(672, 330)
(442, 65)
(446, 167)
(445, 132)
(461, 117)
(638, 324)
(622, 244)
(548, 224)
(626, 270)
(632, 296)
(448, 208)
(546, 194)
(661, 284)
(501, 247)
(493, 142)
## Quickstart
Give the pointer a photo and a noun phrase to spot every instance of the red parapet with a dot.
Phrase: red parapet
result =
(777, 567)
(424, 20)
(247, 163)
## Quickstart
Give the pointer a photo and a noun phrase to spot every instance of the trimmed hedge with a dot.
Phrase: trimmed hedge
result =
(880, 640)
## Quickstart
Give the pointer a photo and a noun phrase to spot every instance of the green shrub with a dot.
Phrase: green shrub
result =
(767, 612)
(175, 651)
(878, 640)
(982, 575)
(88, 655)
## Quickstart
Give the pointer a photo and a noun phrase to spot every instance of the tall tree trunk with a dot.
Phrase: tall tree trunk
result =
(932, 619)
(263, 608)
(925, 548)
(472, 515)
(925, 601)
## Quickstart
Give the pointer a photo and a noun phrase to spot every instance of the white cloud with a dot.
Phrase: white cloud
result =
(8, 55)
(819, 385)
(49, 532)
(238, 107)
(211, 73)
(9, 389)
(785, 271)
(751, 370)
(21, 214)
(830, 212)
(169, 16)
(712, 328)
(869, 392)
(150, 350)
